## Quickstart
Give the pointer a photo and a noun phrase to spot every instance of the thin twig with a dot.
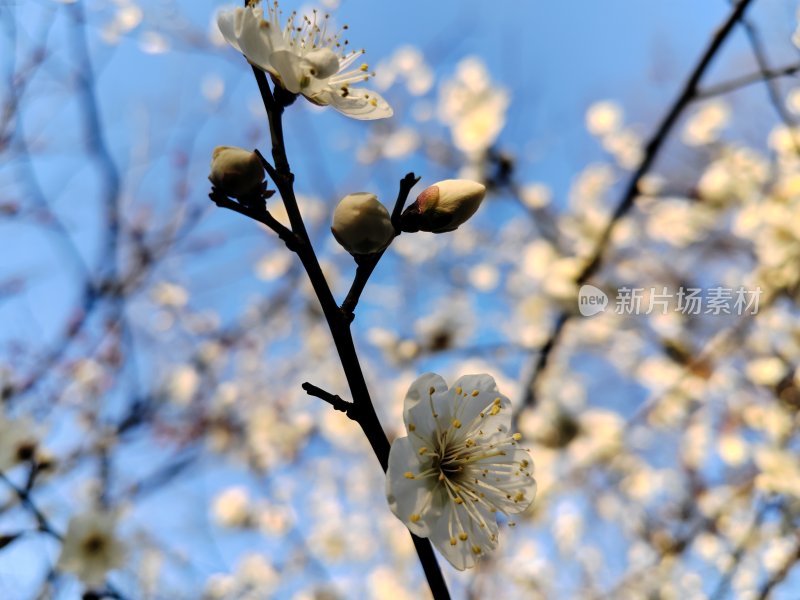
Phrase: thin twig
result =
(335, 401)
(773, 91)
(263, 216)
(723, 585)
(727, 87)
(24, 496)
(366, 264)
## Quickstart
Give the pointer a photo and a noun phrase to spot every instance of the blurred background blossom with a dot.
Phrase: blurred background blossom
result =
(152, 346)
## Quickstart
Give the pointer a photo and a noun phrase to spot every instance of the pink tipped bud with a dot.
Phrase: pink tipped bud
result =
(443, 206)
(236, 172)
(361, 224)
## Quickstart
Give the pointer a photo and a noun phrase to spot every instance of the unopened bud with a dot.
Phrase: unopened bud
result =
(443, 206)
(236, 172)
(361, 224)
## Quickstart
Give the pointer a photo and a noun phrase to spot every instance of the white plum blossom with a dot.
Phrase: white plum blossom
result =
(473, 106)
(90, 548)
(444, 206)
(458, 466)
(18, 442)
(303, 58)
(361, 224)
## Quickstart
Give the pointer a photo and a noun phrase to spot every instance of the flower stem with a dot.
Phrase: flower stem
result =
(367, 264)
(337, 320)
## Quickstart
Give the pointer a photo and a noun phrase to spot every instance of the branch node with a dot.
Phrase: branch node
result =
(336, 402)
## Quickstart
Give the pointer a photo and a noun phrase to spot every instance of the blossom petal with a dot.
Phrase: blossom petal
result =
(289, 67)
(464, 533)
(296, 74)
(420, 390)
(363, 105)
(427, 397)
(229, 23)
(242, 29)
(324, 62)
(413, 500)
(474, 395)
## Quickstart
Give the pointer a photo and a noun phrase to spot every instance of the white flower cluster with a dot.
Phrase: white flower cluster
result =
(473, 106)
(91, 548)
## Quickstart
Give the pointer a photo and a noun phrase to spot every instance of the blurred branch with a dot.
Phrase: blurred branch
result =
(95, 138)
(774, 92)
(681, 544)
(631, 191)
(45, 527)
(98, 148)
(780, 575)
(24, 496)
(717, 343)
(721, 591)
(759, 76)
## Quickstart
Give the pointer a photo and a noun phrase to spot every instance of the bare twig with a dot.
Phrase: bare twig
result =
(335, 401)
(773, 90)
(759, 76)
(366, 264)
(263, 216)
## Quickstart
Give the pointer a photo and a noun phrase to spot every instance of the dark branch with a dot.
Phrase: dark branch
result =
(335, 401)
(263, 216)
(407, 183)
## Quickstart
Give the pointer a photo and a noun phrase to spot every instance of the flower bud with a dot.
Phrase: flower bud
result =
(236, 172)
(361, 224)
(443, 206)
